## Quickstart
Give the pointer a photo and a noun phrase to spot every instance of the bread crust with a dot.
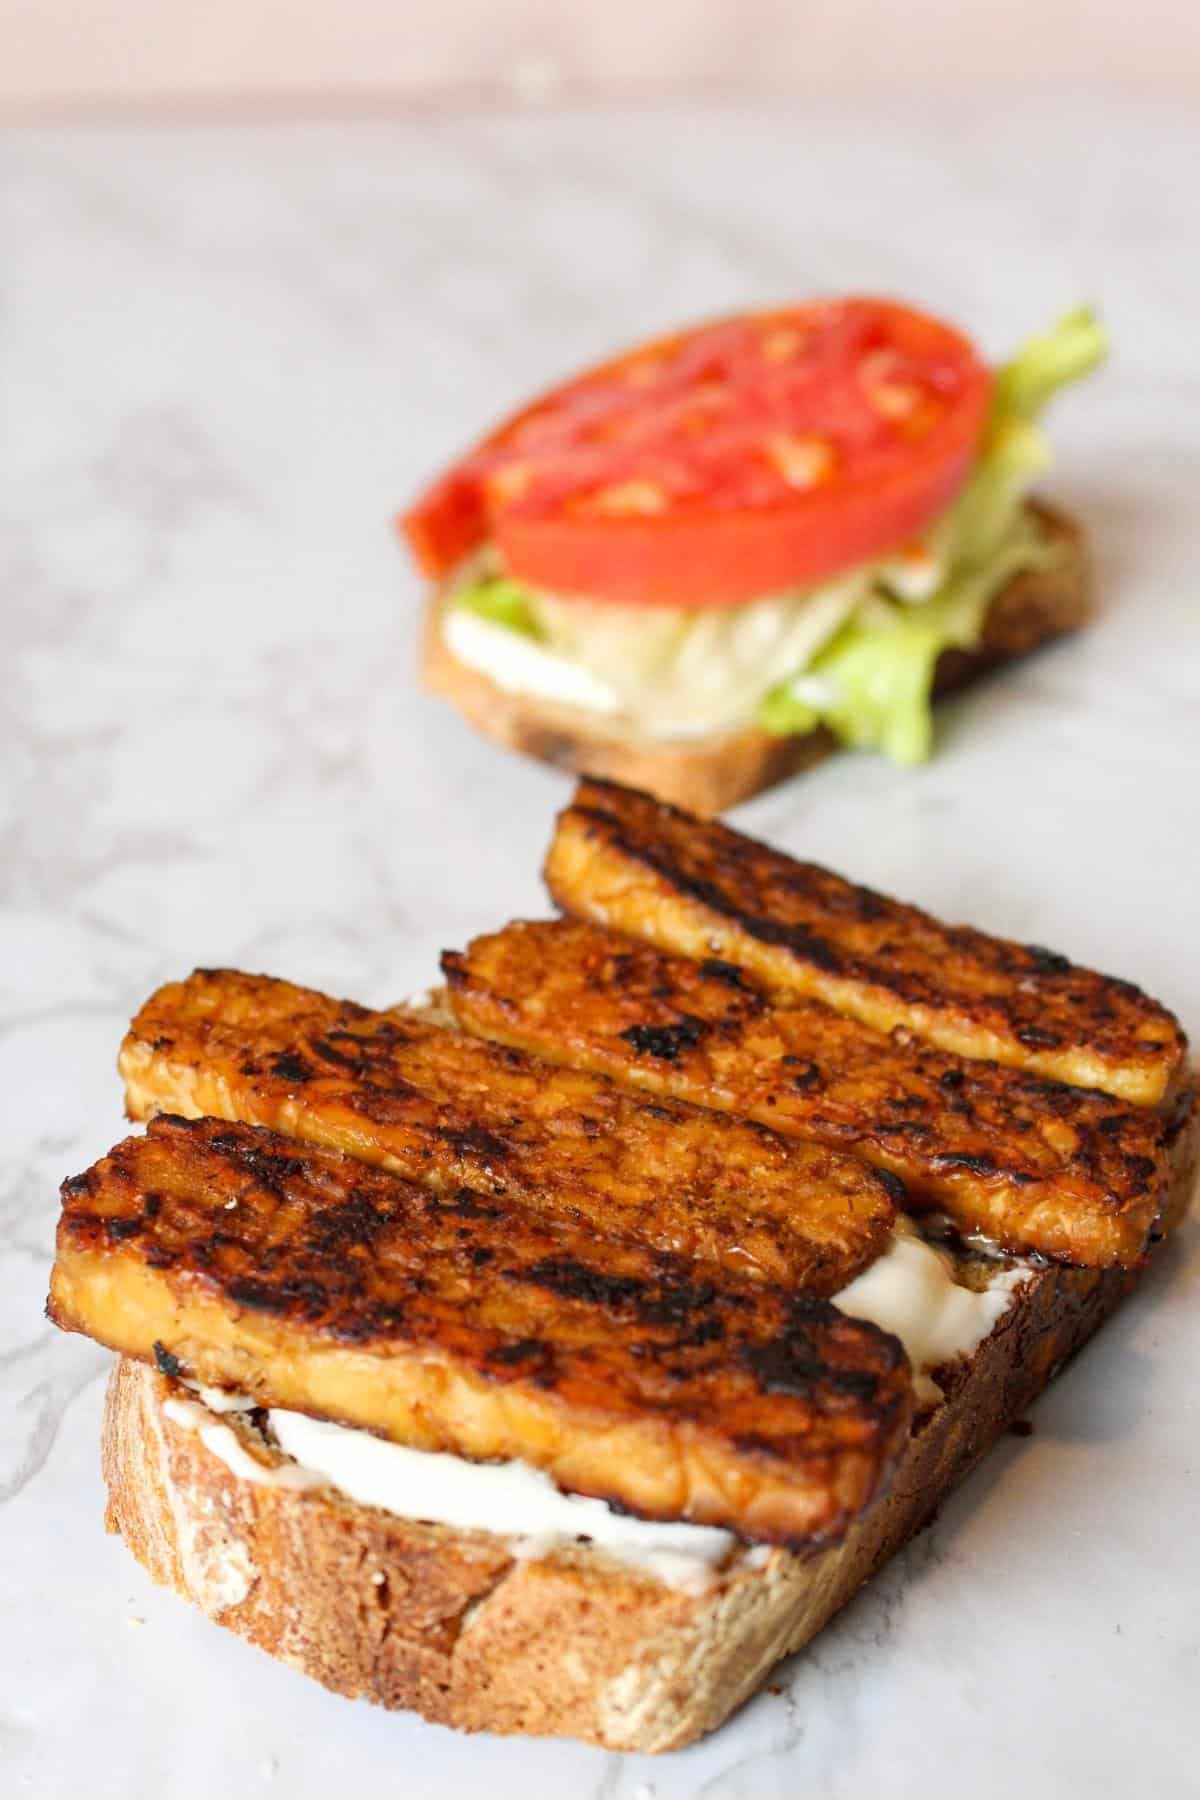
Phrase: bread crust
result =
(711, 774)
(446, 1623)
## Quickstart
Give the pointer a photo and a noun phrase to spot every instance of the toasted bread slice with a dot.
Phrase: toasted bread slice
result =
(1033, 1164)
(313, 1282)
(695, 887)
(449, 1110)
(709, 775)
(454, 1625)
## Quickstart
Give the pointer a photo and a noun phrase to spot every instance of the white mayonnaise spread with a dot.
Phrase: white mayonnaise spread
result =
(509, 1498)
(917, 571)
(909, 1291)
(668, 673)
(227, 1447)
(520, 665)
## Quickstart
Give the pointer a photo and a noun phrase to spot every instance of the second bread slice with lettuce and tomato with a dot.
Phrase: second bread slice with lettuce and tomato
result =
(600, 559)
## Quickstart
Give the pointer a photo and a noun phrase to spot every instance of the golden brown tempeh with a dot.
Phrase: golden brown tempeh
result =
(693, 886)
(1031, 1163)
(444, 1108)
(467, 1323)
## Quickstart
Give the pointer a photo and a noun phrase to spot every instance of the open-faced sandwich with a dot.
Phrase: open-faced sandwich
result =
(556, 1355)
(699, 566)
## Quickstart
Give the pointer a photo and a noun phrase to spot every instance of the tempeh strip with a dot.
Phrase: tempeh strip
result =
(444, 1108)
(623, 859)
(1033, 1164)
(462, 1323)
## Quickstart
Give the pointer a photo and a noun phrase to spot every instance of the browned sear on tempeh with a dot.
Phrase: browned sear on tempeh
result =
(467, 1323)
(1032, 1163)
(623, 859)
(444, 1108)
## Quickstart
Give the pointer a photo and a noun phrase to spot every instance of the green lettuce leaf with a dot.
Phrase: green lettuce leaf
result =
(786, 713)
(1071, 348)
(984, 514)
(873, 683)
(871, 686)
(1014, 448)
(501, 602)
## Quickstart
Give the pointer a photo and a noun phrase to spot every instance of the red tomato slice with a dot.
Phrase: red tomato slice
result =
(734, 460)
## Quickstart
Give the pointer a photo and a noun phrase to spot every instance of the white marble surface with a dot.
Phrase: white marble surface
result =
(225, 356)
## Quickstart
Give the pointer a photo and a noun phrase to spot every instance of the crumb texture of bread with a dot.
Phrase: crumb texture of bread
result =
(709, 775)
(449, 1624)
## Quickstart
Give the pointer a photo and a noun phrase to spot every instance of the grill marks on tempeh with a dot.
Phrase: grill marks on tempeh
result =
(447, 1109)
(543, 1241)
(462, 1322)
(1033, 1164)
(623, 859)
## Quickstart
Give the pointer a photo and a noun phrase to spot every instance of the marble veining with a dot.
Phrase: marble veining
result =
(226, 356)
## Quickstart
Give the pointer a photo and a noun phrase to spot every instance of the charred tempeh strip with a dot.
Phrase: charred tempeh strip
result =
(312, 1281)
(444, 1108)
(1032, 1163)
(693, 886)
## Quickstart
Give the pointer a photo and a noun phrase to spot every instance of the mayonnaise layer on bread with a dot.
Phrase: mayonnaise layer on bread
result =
(856, 653)
(511, 1499)
(910, 1290)
(520, 665)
